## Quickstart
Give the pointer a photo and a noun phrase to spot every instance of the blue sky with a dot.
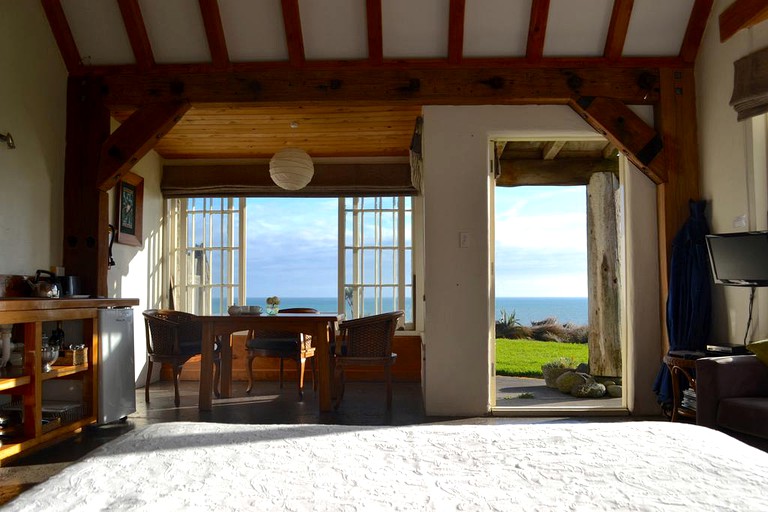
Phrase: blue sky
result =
(540, 244)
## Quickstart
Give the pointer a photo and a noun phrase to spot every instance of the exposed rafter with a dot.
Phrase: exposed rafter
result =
(375, 36)
(695, 30)
(551, 149)
(63, 35)
(293, 35)
(137, 33)
(537, 29)
(741, 14)
(456, 31)
(214, 33)
(553, 172)
(617, 29)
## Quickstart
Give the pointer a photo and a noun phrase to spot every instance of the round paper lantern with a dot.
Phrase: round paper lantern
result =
(291, 168)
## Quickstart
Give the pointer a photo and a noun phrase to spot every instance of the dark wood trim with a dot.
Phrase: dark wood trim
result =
(63, 35)
(137, 33)
(676, 123)
(617, 29)
(375, 31)
(86, 213)
(622, 127)
(402, 65)
(293, 35)
(537, 30)
(214, 32)
(426, 86)
(741, 14)
(134, 138)
(697, 23)
(568, 171)
(253, 180)
(456, 31)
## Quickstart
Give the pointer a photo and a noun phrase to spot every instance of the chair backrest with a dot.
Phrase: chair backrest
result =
(171, 332)
(258, 334)
(370, 336)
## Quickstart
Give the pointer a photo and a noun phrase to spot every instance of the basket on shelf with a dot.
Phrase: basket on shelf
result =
(72, 357)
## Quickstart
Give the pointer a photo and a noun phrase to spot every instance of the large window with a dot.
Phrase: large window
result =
(206, 253)
(355, 258)
(377, 255)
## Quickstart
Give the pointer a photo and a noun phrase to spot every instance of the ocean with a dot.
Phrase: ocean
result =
(526, 309)
(534, 309)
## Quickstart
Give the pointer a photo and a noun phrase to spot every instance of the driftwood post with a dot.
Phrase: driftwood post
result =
(603, 276)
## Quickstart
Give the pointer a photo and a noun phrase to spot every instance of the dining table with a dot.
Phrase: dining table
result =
(321, 326)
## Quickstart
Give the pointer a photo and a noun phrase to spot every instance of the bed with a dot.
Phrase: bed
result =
(566, 465)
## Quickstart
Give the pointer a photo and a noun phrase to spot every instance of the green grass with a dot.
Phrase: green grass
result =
(523, 358)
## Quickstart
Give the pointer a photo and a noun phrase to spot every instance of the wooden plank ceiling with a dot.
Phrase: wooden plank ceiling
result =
(125, 41)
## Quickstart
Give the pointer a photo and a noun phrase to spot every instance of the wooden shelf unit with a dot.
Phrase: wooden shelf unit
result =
(26, 387)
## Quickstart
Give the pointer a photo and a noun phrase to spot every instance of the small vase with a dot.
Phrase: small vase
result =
(272, 309)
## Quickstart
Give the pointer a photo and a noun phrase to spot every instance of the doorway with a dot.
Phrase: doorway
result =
(557, 218)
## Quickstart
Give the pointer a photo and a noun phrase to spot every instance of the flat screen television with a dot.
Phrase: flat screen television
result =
(739, 259)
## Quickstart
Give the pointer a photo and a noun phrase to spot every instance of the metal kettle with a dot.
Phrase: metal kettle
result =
(45, 287)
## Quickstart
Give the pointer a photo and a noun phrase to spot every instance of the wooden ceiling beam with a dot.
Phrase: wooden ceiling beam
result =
(741, 14)
(63, 35)
(456, 31)
(568, 171)
(426, 86)
(537, 30)
(214, 32)
(697, 22)
(134, 138)
(137, 33)
(551, 149)
(293, 35)
(617, 29)
(375, 31)
(623, 128)
(609, 151)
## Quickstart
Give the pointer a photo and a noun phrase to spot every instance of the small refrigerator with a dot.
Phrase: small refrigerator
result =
(117, 389)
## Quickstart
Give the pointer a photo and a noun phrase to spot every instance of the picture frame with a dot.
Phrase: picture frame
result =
(129, 201)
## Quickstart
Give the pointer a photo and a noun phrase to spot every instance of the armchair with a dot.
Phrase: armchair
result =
(732, 396)
(173, 337)
(364, 342)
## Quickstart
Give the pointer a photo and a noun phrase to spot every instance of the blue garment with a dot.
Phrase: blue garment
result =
(689, 303)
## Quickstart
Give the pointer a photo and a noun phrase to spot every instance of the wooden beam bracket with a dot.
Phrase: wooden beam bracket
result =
(134, 138)
(623, 128)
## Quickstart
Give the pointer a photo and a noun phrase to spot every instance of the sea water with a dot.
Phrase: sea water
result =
(526, 309)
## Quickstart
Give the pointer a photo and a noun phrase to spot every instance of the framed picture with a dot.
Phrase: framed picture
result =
(129, 201)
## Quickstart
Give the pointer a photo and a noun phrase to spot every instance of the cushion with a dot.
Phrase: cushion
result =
(760, 349)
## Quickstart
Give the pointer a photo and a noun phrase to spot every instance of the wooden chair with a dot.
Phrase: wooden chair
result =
(365, 341)
(282, 345)
(173, 337)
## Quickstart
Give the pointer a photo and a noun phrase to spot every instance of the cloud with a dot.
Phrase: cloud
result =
(541, 242)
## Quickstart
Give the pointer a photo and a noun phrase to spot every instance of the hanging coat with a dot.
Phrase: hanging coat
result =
(689, 303)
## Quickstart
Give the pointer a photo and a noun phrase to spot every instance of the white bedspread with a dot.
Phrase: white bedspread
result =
(512, 467)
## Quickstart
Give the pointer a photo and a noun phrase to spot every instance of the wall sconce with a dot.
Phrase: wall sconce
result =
(8, 139)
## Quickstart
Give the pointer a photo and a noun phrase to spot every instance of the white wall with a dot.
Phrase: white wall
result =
(733, 167)
(33, 83)
(459, 326)
(137, 271)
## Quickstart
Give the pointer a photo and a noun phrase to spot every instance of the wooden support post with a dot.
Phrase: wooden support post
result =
(86, 215)
(676, 122)
(603, 276)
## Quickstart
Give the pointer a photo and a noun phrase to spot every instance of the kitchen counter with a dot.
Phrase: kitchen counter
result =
(32, 303)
